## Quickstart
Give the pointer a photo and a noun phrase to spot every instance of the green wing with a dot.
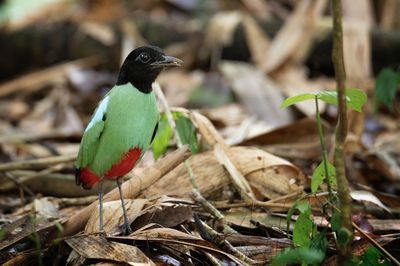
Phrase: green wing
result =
(91, 137)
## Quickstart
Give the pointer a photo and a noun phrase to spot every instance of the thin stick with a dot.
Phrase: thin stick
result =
(324, 150)
(25, 178)
(211, 209)
(255, 204)
(20, 184)
(36, 163)
(172, 124)
(341, 132)
(224, 244)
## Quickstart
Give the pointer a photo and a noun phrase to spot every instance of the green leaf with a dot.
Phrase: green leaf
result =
(297, 99)
(185, 129)
(187, 133)
(162, 138)
(336, 220)
(355, 98)
(303, 206)
(298, 255)
(318, 176)
(386, 87)
(304, 227)
(319, 242)
(302, 231)
(372, 257)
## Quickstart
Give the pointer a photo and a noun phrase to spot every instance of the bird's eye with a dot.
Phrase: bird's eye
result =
(144, 57)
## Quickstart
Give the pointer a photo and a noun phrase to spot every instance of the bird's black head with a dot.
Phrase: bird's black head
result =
(142, 66)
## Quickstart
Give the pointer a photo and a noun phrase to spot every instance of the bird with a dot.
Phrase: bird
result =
(123, 125)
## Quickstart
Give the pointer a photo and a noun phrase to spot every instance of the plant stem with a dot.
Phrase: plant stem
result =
(346, 231)
(324, 150)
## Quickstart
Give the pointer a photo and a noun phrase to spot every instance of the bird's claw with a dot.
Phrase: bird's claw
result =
(126, 229)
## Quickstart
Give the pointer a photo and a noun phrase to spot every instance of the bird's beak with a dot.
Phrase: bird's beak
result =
(167, 61)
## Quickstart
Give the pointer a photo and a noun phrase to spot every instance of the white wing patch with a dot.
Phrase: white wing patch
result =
(98, 115)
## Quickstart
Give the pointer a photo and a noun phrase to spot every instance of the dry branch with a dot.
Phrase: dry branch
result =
(36, 163)
(345, 200)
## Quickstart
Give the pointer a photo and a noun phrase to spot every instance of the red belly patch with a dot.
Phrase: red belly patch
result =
(88, 178)
(125, 165)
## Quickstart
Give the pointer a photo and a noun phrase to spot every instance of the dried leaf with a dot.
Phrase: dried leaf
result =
(271, 175)
(363, 195)
(297, 140)
(46, 208)
(97, 247)
(294, 35)
(259, 95)
(163, 213)
(256, 39)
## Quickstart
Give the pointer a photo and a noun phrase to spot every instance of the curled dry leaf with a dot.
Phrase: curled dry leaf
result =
(97, 247)
(367, 196)
(163, 212)
(269, 175)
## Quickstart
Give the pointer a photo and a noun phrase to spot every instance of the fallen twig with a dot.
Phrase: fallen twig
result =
(27, 177)
(221, 241)
(36, 163)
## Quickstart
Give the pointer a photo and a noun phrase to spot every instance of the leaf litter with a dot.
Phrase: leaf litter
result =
(251, 160)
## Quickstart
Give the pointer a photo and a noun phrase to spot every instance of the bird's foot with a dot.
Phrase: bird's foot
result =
(126, 229)
(102, 233)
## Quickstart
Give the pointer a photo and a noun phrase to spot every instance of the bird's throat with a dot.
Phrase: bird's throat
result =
(141, 82)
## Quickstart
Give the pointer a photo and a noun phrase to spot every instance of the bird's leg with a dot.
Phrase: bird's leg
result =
(127, 227)
(100, 187)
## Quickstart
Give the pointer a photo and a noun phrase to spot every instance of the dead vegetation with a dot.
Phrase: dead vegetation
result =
(228, 202)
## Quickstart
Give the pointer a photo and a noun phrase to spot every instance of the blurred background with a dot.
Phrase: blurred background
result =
(242, 58)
